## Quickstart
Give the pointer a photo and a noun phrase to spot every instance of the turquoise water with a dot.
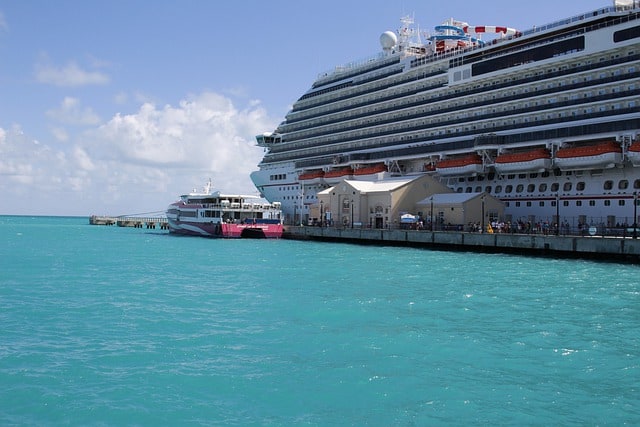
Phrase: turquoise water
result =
(123, 326)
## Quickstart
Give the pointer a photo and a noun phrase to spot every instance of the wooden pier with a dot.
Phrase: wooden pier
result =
(131, 221)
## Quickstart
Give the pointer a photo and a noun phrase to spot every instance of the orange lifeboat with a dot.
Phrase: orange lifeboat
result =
(603, 155)
(465, 165)
(538, 159)
(309, 175)
(371, 169)
(338, 173)
(633, 153)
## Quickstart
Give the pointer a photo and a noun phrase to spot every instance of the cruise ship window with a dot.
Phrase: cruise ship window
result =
(567, 186)
(469, 190)
(478, 189)
(543, 187)
(578, 202)
(531, 188)
(517, 204)
(498, 188)
(528, 204)
(580, 186)
(608, 185)
(592, 202)
(508, 189)
(542, 204)
(607, 202)
(487, 189)
(519, 188)
(459, 190)
(621, 202)
(555, 186)
(565, 203)
(623, 184)
(545, 174)
(636, 184)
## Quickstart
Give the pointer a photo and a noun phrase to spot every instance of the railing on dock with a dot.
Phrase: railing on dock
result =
(130, 221)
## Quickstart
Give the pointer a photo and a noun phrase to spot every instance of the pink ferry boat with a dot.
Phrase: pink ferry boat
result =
(213, 214)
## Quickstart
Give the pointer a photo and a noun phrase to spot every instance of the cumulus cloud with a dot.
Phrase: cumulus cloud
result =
(137, 162)
(70, 75)
(71, 112)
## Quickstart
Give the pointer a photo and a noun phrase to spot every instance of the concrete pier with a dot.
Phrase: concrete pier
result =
(618, 249)
(130, 221)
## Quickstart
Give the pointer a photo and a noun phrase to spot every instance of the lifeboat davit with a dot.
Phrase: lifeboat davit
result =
(311, 175)
(538, 160)
(370, 169)
(466, 165)
(633, 153)
(604, 155)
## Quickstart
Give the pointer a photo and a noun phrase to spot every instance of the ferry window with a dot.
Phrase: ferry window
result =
(471, 179)
(487, 189)
(555, 186)
(608, 185)
(498, 188)
(545, 174)
(528, 204)
(459, 190)
(478, 189)
(578, 202)
(542, 188)
(511, 176)
(517, 204)
(621, 202)
(592, 202)
(519, 188)
(580, 186)
(607, 202)
(557, 172)
(480, 178)
(531, 188)
(542, 204)
(492, 176)
(469, 190)
(565, 203)
(522, 176)
(460, 179)
(636, 184)
(533, 175)
(623, 184)
(567, 186)
(508, 189)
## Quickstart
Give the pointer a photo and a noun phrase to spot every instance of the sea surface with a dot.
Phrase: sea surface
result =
(121, 326)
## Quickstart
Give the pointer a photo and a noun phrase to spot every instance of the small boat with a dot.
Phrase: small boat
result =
(370, 169)
(338, 173)
(538, 160)
(213, 214)
(311, 175)
(465, 165)
(633, 153)
(603, 155)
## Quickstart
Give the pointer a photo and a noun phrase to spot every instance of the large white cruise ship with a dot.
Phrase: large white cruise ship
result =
(543, 119)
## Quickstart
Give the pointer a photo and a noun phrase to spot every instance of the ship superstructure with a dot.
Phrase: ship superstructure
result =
(543, 119)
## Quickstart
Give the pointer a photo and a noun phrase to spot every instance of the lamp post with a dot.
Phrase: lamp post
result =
(557, 214)
(431, 213)
(635, 214)
(351, 213)
(482, 222)
(321, 213)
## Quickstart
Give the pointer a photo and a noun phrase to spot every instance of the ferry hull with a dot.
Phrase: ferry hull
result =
(232, 231)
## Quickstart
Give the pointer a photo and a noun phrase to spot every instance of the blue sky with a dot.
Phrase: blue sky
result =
(118, 107)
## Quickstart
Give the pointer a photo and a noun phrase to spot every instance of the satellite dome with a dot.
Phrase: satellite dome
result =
(388, 39)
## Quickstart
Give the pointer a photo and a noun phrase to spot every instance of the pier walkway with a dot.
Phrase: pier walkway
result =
(619, 249)
(130, 221)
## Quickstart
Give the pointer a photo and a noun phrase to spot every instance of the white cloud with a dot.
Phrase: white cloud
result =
(71, 112)
(135, 162)
(3, 23)
(70, 75)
